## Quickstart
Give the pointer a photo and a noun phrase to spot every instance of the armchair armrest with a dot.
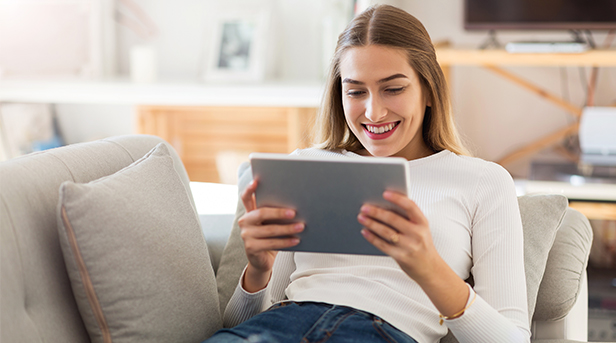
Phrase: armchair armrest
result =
(562, 300)
(574, 326)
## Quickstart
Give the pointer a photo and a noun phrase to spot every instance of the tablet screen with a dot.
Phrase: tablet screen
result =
(327, 194)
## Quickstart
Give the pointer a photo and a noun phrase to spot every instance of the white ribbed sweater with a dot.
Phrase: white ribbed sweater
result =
(475, 223)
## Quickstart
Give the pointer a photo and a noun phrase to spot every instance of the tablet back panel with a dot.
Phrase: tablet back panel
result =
(327, 195)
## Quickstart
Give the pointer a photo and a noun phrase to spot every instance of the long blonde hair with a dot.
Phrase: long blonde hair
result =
(391, 27)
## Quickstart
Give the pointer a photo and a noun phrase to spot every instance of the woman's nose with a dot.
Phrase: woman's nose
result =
(375, 111)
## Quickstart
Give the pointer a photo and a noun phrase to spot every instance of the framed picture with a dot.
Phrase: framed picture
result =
(237, 49)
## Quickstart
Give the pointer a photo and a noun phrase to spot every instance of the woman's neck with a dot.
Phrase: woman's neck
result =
(410, 154)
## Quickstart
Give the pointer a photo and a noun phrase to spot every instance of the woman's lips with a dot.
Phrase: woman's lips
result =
(381, 131)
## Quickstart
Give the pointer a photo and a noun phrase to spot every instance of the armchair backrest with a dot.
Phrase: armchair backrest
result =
(35, 292)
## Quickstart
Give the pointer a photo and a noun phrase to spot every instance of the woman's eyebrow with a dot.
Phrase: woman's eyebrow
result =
(393, 77)
(355, 82)
(389, 78)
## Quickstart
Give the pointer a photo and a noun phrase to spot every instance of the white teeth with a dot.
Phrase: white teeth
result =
(380, 129)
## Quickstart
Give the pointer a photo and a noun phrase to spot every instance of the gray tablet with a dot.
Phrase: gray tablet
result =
(327, 194)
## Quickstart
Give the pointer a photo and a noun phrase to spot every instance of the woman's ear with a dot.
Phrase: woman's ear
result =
(426, 94)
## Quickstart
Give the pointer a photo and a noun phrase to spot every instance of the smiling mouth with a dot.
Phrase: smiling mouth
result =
(381, 129)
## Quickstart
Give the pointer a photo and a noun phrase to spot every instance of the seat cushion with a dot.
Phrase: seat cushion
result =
(136, 257)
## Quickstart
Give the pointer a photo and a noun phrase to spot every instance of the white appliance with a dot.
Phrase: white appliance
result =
(598, 136)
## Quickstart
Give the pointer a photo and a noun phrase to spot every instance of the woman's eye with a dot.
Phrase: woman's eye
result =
(353, 93)
(394, 90)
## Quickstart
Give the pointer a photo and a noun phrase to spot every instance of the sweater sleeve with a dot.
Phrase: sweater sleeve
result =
(244, 305)
(499, 313)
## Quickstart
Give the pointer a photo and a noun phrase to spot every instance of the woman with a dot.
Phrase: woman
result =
(386, 96)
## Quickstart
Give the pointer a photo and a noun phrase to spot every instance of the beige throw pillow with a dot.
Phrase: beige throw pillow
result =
(136, 257)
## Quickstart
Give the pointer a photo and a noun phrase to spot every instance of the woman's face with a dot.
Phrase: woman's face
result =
(383, 101)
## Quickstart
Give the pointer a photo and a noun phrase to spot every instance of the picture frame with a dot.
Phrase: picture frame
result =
(237, 48)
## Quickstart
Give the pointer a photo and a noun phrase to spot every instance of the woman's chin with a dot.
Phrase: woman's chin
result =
(376, 152)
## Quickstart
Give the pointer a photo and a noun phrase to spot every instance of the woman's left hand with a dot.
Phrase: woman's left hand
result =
(408, 241)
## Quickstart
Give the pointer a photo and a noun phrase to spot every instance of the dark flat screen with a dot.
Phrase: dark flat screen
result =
(540, 14)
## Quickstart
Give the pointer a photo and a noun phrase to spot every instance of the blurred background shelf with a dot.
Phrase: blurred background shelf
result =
(186, 93)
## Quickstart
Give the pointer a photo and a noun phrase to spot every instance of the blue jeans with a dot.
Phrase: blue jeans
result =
(309, 322)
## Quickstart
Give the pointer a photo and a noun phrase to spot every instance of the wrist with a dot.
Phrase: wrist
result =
(447, 291)
(254, 279)
(432, 270)
(471, 300)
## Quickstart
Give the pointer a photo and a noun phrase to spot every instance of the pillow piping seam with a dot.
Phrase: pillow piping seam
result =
(86, 280)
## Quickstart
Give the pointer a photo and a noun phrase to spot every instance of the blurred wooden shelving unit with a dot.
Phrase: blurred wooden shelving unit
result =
(495, 59)
(595, 210)
(200, 134)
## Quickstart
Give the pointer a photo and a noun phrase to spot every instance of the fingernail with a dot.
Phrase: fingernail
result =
(361, 218)
(365, 209)
(295, 241)
(298, 227)
(289, 213)
(365, 233)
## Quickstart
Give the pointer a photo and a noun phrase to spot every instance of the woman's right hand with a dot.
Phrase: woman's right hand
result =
(261, 241)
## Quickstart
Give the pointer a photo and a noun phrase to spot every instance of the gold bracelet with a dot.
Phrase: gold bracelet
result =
(441, 317)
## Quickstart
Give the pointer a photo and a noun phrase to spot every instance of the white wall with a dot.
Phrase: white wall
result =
(181, 49)
(83, 123)
(494, 115)
(184, 41)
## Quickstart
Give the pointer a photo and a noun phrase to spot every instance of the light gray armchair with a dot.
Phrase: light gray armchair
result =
(37, 302)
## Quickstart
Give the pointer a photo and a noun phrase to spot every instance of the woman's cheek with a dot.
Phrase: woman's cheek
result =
(352, 113)
(352, 109)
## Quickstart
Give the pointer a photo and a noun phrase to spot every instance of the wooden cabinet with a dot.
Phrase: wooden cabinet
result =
(201, 134)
